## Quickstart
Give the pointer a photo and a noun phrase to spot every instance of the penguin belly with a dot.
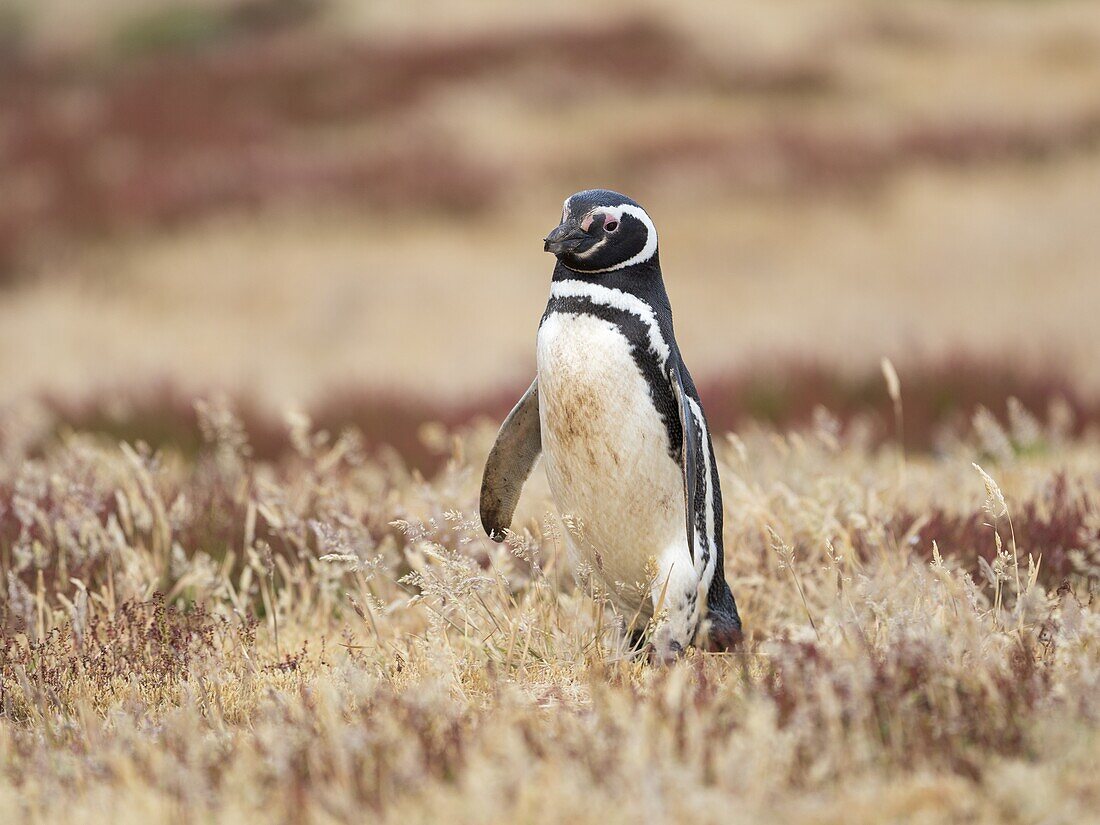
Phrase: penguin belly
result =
(606, 454)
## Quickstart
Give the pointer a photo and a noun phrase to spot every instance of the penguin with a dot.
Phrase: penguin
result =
(615, 414)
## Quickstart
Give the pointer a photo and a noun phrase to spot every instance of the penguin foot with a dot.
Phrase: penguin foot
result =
(666, 654)
(723, 634)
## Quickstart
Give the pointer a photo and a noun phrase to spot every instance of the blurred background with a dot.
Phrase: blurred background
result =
(339, 204)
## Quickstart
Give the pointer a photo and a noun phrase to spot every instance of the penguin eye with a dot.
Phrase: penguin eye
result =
(611, 226)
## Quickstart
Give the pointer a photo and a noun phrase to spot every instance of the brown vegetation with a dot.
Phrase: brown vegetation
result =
(940, 400)
(199, 111)
(792, 157)
(336, 637)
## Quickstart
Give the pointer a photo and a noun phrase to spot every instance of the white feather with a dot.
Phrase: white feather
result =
(607, 296)
(606, 453)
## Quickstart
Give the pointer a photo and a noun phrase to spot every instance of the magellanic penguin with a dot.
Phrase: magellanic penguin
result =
(628, 453)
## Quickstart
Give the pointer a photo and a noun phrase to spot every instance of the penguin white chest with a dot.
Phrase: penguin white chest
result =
(606, 447)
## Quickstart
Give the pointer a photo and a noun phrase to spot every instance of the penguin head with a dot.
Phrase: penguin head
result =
(602, 231)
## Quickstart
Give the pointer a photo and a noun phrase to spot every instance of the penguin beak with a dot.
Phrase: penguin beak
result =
(565, 238)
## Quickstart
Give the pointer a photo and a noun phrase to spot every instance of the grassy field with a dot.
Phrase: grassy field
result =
(357, 199)
(213, 212)
(327, 638)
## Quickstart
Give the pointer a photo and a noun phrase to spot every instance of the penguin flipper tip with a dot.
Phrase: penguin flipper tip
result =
(495, 521)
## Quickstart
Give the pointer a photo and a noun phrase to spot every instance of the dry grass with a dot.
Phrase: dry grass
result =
(336, 638)
(297, 306)
(197, 108)
(296, 206)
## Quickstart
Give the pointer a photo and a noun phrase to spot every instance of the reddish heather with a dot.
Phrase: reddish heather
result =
(165, 137)
(1051, 527)
(245, 116)
(938, 397)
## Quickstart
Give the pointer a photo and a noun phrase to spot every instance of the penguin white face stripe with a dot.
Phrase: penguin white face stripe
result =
(619, 300)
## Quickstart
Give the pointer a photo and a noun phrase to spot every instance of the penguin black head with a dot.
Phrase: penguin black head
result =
(601, 231)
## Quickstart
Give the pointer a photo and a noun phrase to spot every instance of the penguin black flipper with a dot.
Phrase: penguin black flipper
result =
(689, 438)
(517, 447)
